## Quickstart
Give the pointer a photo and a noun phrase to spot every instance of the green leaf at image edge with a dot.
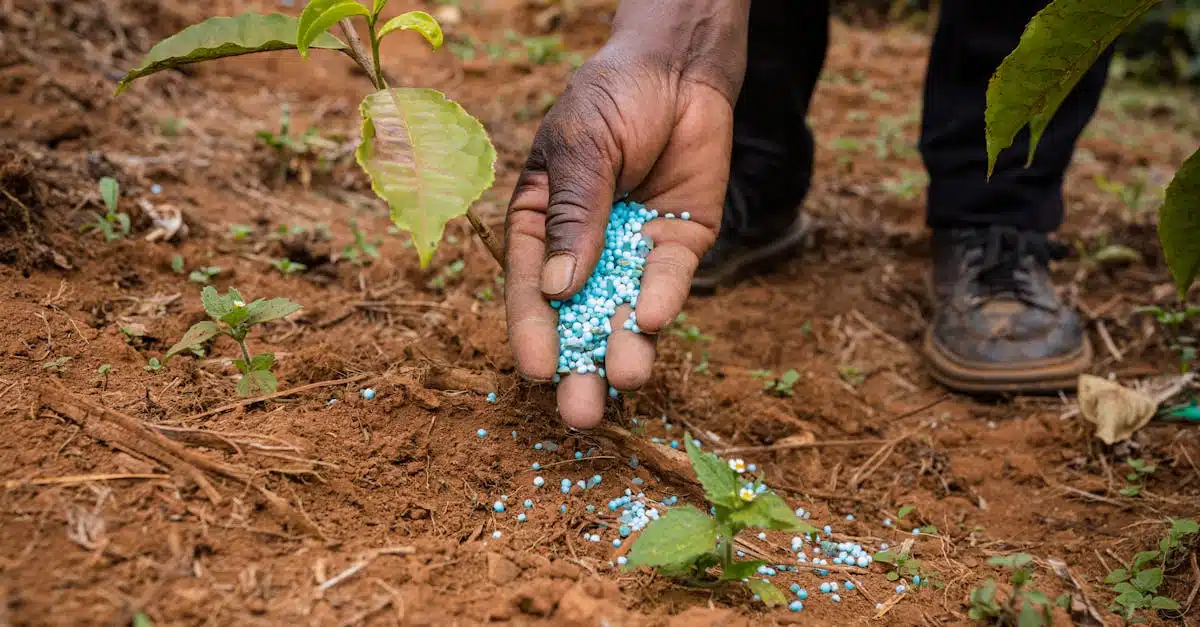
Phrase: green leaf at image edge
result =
(1057, 48)
(219, 37)
(427, 157)
(719, 480)
(677, 538)
(319, 16)
(767, 592)
(419, 21)
(1179, 225)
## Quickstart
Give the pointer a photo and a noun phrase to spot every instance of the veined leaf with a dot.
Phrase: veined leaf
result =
(319, 16)
(719, 480)
(257, 381)
(427, 157)
(199, 333)
(1164, 603)
(377, 7)
(768, 511)
(1057, 48)
(419, 21)
(678, 538)
(110, 191)
(219, 37)
(767, 592)
(1179, 225)
(263, 310)
(262, 361)
(741, 570)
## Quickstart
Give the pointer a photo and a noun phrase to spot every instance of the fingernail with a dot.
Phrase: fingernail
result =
(557, 273)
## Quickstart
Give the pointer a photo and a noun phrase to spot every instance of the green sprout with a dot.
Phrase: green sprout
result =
(233, 317)
(154, 365)
(113, 224)
(1025, 607)
(1136, 584)
(781, 386)
(689, 545)
(1136, 477)
(288, 267)
(204, 275)
(362, 252)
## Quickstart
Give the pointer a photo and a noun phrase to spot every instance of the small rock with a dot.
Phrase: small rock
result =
(501, 570)
(448, 15)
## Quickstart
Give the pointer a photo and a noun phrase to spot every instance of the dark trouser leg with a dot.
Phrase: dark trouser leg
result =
(973, 37)
(772, 144)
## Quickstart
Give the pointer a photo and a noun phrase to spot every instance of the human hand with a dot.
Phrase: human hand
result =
(650, 115)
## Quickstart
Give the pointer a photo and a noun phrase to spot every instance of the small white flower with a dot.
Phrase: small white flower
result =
(737, 465)
(747, 494)
(238, 303)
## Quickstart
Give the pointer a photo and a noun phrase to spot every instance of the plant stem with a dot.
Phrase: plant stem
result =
(379, 80)
(245, 352)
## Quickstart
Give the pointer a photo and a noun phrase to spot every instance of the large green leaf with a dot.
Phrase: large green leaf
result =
(263, 310)
(719, 480)
(768, 511)
(319, 16)
(741, 570)
(427, 157)
(1058, 47)
(419, 21)
(199, 333)
(257, 381)
(110, 191)
(219, 37)
(1179, 225)
(678, 538)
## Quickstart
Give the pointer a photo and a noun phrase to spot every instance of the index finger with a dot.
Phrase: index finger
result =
(532, 322)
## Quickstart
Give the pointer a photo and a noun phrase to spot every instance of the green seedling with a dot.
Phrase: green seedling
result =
(154, 365)
(104, 370)
(695, 341)
(113, 224)
(171, 126)
(1139, 196)
(177, 264)
(1173, 320)
(852, 375)
(288, 267)
(298, 153)
(233, 317)
(1136, 477)
(240, 231)
(362, 252)
(465, 48)
(57, 366)
(909, 186)
(689, 545)
(781, 386)
(204, 275)
(446, 274)
(1024, 607)
(1136, 584)
(401, 126)
(904, 565)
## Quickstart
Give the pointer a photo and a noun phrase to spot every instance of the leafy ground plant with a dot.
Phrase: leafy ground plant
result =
(778, 386)
(1136, 584)
(402, 127)
(1137, 474)
(363, 251)
(233, 317)
(1024, 607)
(688, 544)
(113, 224)
(1173, 321)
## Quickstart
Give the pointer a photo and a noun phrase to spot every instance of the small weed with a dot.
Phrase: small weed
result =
(449, 272)
(1172, 321)
(113, 224)
(543, 50)
(1137, 583)
(233, 317)
(204, 275)
(171, 126)
(891, 139)
(908, 186)
(852, 375)
(1139, 195)
(288, 267)
(465, 48)
(1025, 606)
(177, 264)
(104, 370)
(847, 144)
(781, 386)
(154, 365)
(57, 366)
(362, 252)
(1136, 476)
(685, 543)
(298, 153)
(904, 565)
(240, 231)
(695, 341)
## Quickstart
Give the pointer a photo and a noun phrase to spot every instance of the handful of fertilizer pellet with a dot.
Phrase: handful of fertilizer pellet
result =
(583, 320)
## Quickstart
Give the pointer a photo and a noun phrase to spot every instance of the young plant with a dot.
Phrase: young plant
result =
(204, 275)
(695, 341)
(113, 224)
(288, 267)
(687, 544)
(177, 264)
(104, 370)
(449, 272)
(401, 126)
(903, 565)
(1136, 476)
(1137, 583)
(1024, 607)
(1172, 320)
(362, 252)
(781, 386)
(154, 365)
(233, 317)
(240, 231)
(57, 366)
(297, 153)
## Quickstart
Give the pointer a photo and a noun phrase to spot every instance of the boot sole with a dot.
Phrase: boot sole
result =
(1035, 377)
(753, 261)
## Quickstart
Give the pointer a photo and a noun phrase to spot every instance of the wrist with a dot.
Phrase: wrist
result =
(699, 40)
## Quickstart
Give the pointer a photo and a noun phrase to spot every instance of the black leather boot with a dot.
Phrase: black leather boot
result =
(998, 325)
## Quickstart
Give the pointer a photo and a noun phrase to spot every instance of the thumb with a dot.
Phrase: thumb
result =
(581, 161)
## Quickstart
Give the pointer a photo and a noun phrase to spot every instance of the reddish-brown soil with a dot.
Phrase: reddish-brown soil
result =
(400, 487)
